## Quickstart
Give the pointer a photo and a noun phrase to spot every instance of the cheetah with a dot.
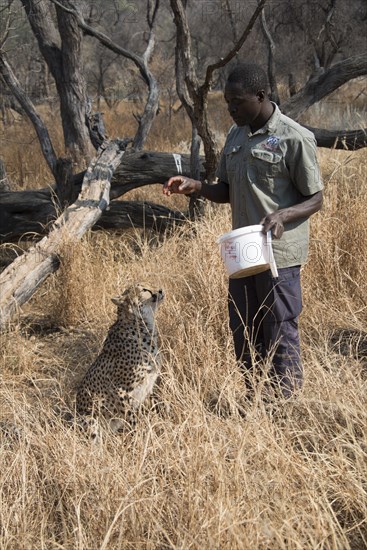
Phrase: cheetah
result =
(124, 374)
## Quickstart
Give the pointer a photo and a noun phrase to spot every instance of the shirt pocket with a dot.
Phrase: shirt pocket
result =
(264, 167)
(233, 156)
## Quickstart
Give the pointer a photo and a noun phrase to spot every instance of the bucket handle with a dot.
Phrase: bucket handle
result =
(273, 265)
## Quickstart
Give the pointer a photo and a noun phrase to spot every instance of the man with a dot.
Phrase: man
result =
(269, 173)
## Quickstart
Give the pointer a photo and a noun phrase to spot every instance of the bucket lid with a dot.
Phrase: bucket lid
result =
(240, 231)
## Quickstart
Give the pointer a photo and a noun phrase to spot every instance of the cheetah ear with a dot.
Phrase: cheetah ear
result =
(117, 300)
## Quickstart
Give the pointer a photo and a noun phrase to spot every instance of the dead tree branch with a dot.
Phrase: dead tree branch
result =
(323, 84)
(234, 51)
(271, 53)
(13, 84)
(34, 211)
(350, 140)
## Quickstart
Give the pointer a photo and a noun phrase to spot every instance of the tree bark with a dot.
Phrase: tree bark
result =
(4, 180)
(20, 280)
(151, 107)
(33, 211)
(62, 52)
(141, 215)
(196, 204)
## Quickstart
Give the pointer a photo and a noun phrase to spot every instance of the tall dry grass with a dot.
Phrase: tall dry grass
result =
(214, 471)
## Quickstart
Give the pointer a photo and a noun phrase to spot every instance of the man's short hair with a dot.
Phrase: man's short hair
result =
(250, 76)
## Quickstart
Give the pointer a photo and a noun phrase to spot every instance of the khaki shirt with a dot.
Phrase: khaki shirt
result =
(273, 168)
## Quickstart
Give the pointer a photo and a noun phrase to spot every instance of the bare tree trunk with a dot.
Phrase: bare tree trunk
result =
(151, 107)
(196, 205)
(20, 280)
(64, 176)
(292, 85)
(72, 89)
(232, 21)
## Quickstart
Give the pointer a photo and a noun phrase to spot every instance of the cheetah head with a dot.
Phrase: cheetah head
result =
(139, 299)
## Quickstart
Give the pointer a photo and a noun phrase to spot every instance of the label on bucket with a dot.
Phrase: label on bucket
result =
(231, 251)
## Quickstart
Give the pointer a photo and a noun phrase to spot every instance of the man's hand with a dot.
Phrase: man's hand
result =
(275, 223)
(181, 185)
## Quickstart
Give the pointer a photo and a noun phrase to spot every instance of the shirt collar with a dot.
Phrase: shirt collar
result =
(271, 125)
(273, 121)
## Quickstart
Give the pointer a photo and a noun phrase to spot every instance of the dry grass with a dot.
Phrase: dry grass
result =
(203, 475)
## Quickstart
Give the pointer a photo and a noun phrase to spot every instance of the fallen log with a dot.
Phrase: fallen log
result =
(350, 140)
(21, 278)
(119, 215)
(33, 211)
(141, 215)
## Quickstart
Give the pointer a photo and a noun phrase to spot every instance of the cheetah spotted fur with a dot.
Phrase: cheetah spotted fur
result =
(126, 370)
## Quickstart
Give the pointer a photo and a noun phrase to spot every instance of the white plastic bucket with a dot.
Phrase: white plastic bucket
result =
(247, 251)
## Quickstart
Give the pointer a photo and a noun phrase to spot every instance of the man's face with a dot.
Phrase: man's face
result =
(244, 107)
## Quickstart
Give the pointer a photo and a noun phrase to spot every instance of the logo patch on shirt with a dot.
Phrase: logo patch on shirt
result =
(271, 143)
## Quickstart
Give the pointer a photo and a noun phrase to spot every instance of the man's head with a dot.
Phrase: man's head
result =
(246, 95)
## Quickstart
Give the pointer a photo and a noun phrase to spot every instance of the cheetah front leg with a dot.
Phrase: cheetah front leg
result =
(122, 414)
(90, 426)
(154, 401)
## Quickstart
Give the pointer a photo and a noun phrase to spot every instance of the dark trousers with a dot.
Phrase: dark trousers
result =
(263, 316)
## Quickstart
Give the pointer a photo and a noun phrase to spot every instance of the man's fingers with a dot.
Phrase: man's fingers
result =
(276, 229)
(273, 226)
(268, 224)
(182, 185)
(172, 185)
(174, 179)
(178, 184)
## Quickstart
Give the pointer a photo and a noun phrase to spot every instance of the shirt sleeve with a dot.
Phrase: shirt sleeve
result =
(304, 167)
